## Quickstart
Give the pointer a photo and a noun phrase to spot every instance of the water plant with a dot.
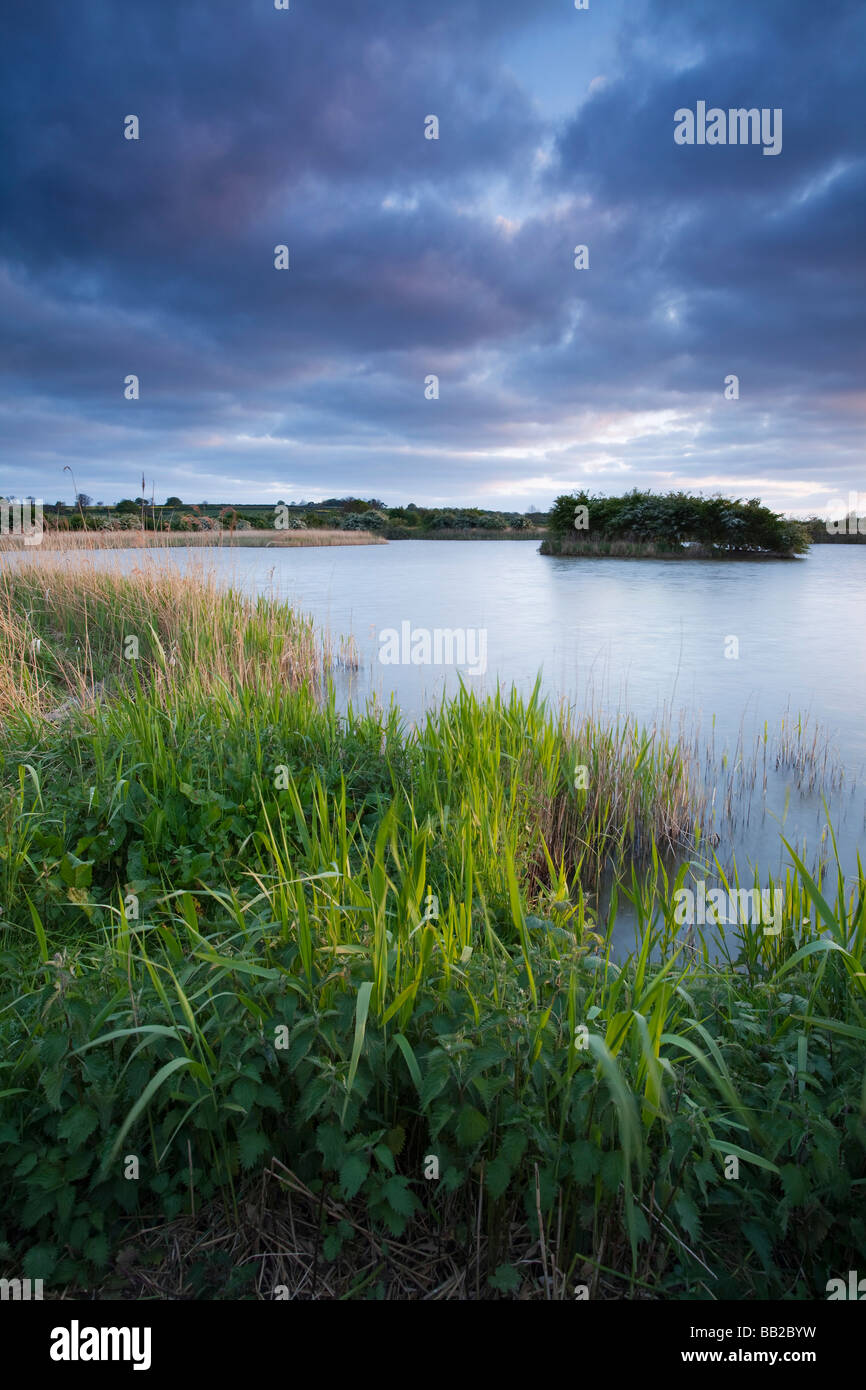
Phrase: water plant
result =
(295, 1000)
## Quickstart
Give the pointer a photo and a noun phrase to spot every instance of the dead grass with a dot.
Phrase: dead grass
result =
(63, 626)
(157, 540)
(276, 1235)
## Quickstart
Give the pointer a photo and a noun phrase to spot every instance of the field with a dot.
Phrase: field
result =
(326, 1004)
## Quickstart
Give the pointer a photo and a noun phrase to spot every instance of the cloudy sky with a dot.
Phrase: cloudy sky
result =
(412, 257)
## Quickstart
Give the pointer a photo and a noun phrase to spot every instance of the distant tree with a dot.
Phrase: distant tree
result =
(84, 500)
(126, 506)
(173, 502)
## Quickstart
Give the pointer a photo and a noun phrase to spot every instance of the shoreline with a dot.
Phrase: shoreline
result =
(626, 551)
(82, 542)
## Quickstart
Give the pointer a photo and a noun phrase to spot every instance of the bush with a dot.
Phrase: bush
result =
(669, 520)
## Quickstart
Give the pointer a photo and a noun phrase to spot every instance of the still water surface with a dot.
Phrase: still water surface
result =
(643, 638)
(624, 637)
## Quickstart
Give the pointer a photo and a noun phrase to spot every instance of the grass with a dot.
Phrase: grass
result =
(475, 533)
(291, 962)
(629, 549)
(65, 631)
(75, 541)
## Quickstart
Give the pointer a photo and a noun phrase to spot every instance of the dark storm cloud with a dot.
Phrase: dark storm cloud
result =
(763, 253)
(411, 257)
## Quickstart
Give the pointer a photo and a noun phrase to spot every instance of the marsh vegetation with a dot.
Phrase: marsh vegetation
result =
(344, 990)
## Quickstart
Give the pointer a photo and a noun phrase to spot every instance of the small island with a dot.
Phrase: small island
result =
(673, 525)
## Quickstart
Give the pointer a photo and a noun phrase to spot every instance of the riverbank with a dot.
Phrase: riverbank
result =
(591, 548)
(529, 534)
(130, 539)
(339, 989)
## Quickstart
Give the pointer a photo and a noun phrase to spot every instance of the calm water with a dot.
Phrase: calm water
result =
(639, 637)
(625, 635)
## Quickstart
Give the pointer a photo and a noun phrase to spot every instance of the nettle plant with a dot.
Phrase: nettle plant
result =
(310, 1024)
(385, 960)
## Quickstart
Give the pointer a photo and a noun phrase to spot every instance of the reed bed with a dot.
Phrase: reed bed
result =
(73, 541)
(601, 547)
(622, 549)
(343, 989)
(67, 630)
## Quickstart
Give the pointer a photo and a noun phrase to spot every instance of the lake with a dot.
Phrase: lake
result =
(646, 638)
(641, 637)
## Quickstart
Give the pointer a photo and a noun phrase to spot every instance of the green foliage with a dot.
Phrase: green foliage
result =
(161, 1044)
(369, 520)
(151, 1025)
(667, 521)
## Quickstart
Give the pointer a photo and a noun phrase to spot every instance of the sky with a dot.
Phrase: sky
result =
(411, 258)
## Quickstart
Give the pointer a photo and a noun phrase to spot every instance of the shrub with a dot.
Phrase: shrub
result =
(669, 520)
